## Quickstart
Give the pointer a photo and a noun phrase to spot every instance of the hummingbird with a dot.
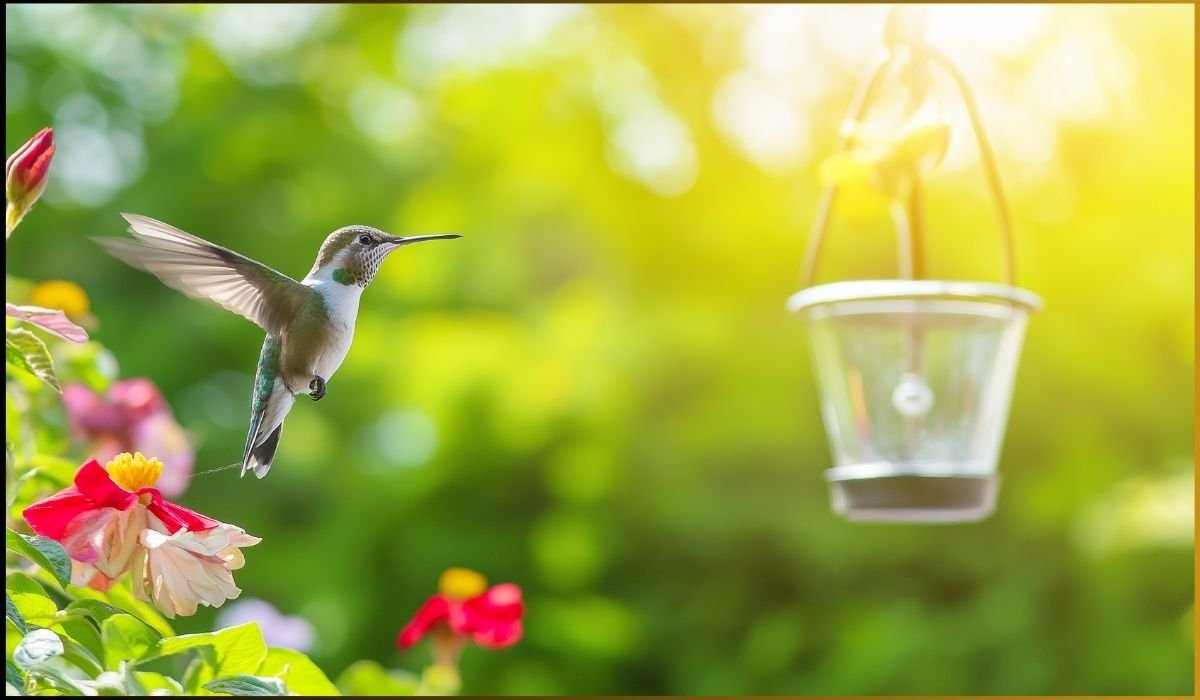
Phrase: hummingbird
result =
(309, 324)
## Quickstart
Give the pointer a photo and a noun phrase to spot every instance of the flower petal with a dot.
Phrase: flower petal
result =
(494, 616)
(50, 320)
(159, 435)
(87, 412)
(88, 576)
(175, 517)
(137, 397)
(106, 538)
(436, 609)
(50, 516)
(95, 483)
(93, 490)
(179, 573)
(498, 636)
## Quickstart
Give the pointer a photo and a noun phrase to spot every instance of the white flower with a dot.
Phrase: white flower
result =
(106, 539)
(182, 570)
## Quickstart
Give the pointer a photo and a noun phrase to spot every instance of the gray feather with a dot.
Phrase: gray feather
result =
(207, 271)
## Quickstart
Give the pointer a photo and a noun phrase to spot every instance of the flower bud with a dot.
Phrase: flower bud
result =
(25, 176)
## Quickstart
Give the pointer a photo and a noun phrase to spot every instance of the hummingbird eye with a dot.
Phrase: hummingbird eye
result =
(365, 239)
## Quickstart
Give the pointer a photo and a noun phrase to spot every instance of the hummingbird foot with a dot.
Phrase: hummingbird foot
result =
(318, 388)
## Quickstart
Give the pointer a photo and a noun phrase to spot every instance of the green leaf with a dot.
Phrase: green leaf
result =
(199, 671)
(131, 684)
(29, 597)
(108, 683)
(36, 649)
(124, 601)
(11, 612)
(440, 679)
(126, 639)
(157, 681)
(81, 631)
(239, 650)
(303, 677)
(42, 551)
(54, 677)
(80, 656)
(13, 677)
(57, 471)
(169, 646)
(96, 609)
(25, 350)
(247, 685)
(369, 678)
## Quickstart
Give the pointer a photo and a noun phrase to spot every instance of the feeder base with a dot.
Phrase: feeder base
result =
(915, 498)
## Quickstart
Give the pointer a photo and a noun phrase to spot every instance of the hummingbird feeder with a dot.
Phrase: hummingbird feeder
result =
(915, 374)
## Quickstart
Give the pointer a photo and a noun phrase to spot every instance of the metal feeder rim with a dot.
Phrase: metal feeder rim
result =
(860, 290)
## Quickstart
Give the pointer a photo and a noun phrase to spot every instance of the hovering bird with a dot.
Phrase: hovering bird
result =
(309, 323)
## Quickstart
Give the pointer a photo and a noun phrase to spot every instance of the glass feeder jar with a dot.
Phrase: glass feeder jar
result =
(915, 378)
(915, 374)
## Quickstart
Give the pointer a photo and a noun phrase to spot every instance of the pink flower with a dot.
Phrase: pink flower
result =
(114, 520)
(133, 416)
(25, 176)
(465, 609)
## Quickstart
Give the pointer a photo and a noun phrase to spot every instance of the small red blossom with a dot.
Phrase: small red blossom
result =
(464, 611)
(25, 175)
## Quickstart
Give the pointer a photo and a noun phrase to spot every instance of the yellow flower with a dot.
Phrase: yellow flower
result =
(65, 296)
(460, 584)
(133, 472)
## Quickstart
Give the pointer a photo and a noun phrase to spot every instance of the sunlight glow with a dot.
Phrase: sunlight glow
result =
(763, 124)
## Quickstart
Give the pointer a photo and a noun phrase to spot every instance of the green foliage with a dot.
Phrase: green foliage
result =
(369, 678)
(61, 650)
(126, 638)
(301, 675)
(24, 350)
(42, 551)
(13, 615)
(247, 685)
(29, 598)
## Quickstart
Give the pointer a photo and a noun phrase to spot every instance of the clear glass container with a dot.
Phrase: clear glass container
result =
(915, 380)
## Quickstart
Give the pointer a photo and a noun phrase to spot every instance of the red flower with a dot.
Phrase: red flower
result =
(464, 610)
(25, 175)
(94, 490)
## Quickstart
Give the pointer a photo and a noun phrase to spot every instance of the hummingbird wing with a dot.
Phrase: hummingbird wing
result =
(207, 271)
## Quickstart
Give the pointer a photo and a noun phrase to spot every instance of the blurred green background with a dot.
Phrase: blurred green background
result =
(597, 393)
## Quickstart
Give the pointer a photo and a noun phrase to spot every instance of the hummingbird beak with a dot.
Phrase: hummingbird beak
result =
(398, 241)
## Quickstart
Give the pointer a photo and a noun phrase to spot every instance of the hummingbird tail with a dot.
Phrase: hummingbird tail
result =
(259, 459)
(272, 401)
